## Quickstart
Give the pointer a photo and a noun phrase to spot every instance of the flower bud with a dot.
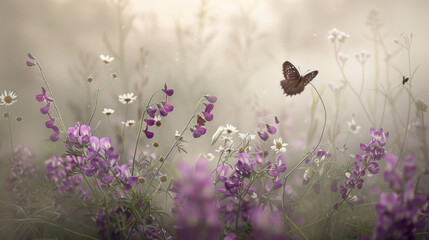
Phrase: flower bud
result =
(163, 178)
(6, 114)
(142, 180)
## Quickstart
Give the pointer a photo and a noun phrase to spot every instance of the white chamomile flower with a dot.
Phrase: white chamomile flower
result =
(229, 129)
(127, 98)
(106, 58)
(354, 128)
(8, 98)
(227, 139)
(249, 137)
(108, 111)
(279, 146)
(129, 123)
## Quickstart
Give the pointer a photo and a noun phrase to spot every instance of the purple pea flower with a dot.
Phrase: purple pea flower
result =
(211, 99)
(168, 92)
(264, 136)
(222, 171)
(271, 129)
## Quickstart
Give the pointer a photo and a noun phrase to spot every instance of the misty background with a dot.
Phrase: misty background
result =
(228, 48)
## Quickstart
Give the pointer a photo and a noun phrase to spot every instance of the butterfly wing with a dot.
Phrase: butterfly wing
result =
(291, 81)
(290, 72)
(309, 76)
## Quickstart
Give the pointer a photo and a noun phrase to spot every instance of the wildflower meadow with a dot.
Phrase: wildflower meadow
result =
(198, 119)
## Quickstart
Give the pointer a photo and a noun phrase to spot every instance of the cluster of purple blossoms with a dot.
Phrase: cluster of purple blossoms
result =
(269, 130)
(21, 173)
(45, 110)
(236, 187)
(198, 129)
(194, 205)
(100, 159)
(374, 151)
(63, 172)
(164, 108)
(275, 171)
(400, 213)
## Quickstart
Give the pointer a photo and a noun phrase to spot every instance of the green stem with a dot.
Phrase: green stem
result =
(351, 87)
(174, 145)
(95, 107)
(140, 130)
(409, 105)
(240, 199)
(123, 134)
(11, 140)
(307, 155)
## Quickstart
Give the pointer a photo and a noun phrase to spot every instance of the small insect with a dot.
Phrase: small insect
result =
(404, 80)
(201, 120)
(294, 83)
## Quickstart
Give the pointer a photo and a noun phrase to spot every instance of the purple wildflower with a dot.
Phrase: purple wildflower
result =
(194, 205)
(263, 135)
(45, 110)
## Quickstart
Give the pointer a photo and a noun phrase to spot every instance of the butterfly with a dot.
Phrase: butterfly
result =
(294, 83)
(404, 80)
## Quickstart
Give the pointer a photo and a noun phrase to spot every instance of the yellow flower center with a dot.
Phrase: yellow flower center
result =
(127, 99)
(353, 127)
(279, 145)
(8, 99)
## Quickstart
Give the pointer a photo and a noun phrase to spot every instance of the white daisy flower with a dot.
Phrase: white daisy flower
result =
(106, 58)
(227, 139)
(127, 98)
(249, 137)
(279, 146)
(129, 123)
(108, 111)
(222, 149)
(354, 128)
(229, 129)
(8, 98)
